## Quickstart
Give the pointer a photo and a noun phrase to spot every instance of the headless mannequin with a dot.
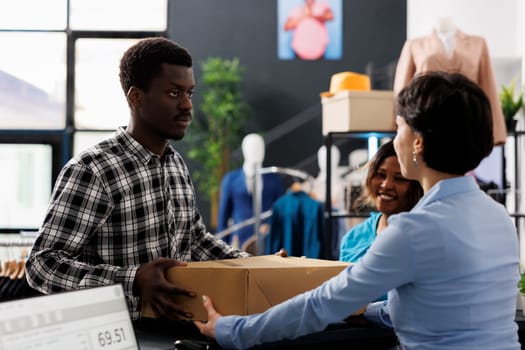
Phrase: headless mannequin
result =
(448, 49)
(355, 178)
(356, 161)
(336, 193)
(446, 30)
(237, 191)
(319, 189)
(253, 153)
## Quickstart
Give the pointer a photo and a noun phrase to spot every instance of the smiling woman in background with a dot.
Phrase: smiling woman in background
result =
(388, 192)
(450, 265)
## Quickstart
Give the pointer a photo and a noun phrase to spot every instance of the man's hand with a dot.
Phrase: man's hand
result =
(156, 291)
(208, 328)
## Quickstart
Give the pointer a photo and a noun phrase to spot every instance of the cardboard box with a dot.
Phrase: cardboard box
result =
(249, 285)
(359, 111)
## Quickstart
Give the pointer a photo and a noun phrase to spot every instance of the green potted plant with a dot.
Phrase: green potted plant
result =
(214, 137)
(509, 105)
(521, 287)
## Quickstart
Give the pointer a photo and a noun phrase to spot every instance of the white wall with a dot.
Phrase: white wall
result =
(500, 22)
(495, 20)
(521, 35)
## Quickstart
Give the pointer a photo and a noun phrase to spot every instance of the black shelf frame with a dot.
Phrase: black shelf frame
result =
(330, 137)
(517, 214)
(329, 215)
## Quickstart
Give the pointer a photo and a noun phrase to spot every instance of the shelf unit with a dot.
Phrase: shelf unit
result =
(329, 213)
(517, 213)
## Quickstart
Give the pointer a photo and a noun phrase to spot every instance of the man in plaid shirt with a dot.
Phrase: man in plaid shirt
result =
(124, 210)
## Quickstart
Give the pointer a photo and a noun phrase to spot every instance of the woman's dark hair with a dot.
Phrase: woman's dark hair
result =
(453, 116)
(367, 198)
(143, 61)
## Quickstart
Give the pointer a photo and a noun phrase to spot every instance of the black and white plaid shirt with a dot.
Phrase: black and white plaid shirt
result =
(114, 207)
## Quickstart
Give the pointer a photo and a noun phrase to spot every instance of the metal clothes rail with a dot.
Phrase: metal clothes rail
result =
(258, 215)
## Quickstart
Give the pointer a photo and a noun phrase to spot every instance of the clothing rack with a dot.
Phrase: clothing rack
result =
(257, 203)
(257, 200)
(16, 243)
(228, 231)
(21, 239)
(13, 253)
(14, 250)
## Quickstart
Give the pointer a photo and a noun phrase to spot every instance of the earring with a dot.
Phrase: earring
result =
(414, 158)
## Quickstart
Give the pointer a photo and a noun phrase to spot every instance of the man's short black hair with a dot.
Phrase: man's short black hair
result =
(143, 61)
(454, 118)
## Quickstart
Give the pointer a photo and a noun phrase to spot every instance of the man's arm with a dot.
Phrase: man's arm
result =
(207, 247)
(204, 246)
(64, 255)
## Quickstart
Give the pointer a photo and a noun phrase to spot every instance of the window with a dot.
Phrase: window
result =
(33, 91)
(99, 100)
(33, 15)
(59, 89)
(27, 184)
(119, 15)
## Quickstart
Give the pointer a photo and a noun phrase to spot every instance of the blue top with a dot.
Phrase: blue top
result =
(356, 242)
(450, 265)
(237, 203)
(297, 225)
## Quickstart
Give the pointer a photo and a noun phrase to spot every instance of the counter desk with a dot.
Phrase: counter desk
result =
(357, 333)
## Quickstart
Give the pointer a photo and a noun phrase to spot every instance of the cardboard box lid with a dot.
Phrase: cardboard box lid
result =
(264, 262)
(248, 285)
(372, 94)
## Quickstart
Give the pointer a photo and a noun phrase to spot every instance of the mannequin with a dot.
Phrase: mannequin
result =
(446, 30)
(356, 176)
(336, 193)
(237, 186)
(449, 49)
(253, 153)
(445, 25)
(319, 187)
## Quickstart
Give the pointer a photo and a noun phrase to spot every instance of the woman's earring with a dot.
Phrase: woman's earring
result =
(414, 158)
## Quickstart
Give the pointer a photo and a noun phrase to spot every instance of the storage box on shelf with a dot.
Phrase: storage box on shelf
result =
(358, 111)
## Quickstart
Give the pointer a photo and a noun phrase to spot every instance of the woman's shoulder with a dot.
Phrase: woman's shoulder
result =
(365, 229)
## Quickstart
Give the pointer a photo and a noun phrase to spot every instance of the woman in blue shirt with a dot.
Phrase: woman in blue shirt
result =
(387, 191)
(450, 265)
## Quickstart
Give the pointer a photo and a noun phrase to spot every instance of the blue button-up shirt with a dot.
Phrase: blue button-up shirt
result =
(451, 265)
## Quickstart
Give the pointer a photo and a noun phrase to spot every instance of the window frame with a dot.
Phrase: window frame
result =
(61, 140)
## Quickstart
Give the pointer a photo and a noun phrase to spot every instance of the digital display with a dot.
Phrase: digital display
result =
(90, 319)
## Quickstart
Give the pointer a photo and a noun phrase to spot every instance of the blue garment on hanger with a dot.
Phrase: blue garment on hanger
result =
(237, 203)
(296, 225)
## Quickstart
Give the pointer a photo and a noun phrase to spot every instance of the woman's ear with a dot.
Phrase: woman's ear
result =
(418, 144)
(134, 96)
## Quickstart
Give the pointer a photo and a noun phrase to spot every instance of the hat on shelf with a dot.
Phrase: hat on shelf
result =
(347, 81)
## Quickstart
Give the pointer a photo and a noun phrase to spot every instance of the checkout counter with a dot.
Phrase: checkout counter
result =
(356, 333)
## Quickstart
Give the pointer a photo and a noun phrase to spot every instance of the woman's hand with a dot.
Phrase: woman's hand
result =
(282, 253)
(208, 328)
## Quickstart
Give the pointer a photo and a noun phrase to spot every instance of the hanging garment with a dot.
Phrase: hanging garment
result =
(237, 203)
(296, 225)
(469, 56)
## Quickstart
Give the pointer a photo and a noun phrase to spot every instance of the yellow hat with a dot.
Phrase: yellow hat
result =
(347, 81)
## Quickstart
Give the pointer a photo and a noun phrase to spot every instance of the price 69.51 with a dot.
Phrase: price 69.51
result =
(111, 338)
